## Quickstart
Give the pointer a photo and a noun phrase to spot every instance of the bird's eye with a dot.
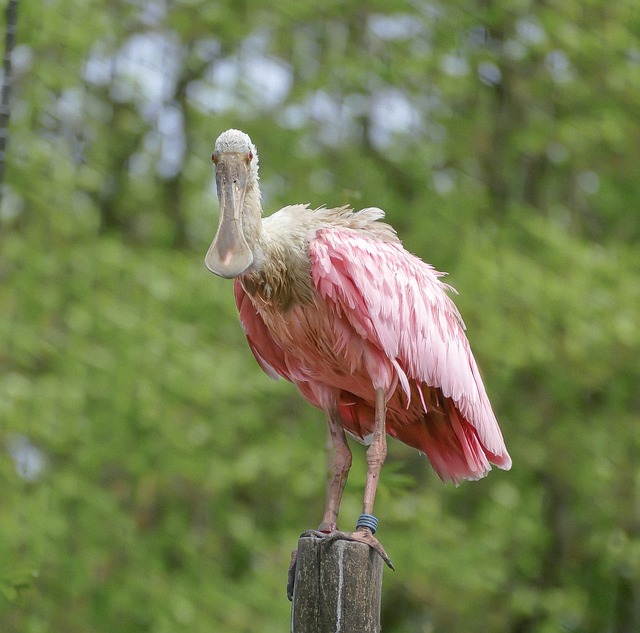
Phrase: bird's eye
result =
(214, 158)
(249, 156)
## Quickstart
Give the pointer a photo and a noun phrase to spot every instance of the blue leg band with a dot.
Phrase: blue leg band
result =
(369, 521)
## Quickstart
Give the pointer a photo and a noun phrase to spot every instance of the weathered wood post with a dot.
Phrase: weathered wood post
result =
(337, 588)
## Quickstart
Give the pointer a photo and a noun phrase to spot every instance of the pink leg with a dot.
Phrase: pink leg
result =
(340, 471)
(376, 453)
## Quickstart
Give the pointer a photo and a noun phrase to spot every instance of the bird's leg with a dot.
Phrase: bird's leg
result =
(376, 454)
(340, 470)
(337, 445)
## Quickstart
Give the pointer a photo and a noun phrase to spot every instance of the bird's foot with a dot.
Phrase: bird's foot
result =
(327, 533)
(361, 535)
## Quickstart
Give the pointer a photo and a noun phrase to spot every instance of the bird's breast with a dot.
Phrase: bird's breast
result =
(321, 347)
(279, 285)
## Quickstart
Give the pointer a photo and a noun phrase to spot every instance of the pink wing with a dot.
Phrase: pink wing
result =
(398, 302)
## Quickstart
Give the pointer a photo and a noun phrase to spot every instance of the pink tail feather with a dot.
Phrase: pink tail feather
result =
(448, 440)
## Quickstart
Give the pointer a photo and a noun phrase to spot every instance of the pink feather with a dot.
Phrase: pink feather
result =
(381, 318)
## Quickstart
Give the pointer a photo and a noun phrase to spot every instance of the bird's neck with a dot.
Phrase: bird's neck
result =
(279, 276)
(252, 221)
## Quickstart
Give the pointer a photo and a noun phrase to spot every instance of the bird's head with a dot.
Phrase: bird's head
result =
(236, 163)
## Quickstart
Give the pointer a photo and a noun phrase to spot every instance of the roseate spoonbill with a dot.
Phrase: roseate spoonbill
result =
(330, 300)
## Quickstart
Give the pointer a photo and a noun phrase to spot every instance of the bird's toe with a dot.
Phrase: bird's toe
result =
(361, 535)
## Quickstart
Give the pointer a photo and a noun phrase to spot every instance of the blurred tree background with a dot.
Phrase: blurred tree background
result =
(153, 478)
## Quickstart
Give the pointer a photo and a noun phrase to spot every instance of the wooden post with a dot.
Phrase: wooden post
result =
(337, 588)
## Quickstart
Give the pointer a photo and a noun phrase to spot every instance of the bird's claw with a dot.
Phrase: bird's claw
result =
(319, 534)
(361, 535)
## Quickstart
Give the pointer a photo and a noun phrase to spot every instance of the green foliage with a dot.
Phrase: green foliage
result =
(153, 478)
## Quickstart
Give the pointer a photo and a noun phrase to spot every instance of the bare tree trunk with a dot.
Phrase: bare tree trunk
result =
(626, 608)
(11, 19)
(338, 587)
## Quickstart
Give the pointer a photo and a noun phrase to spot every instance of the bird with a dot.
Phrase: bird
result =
(330, 300)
